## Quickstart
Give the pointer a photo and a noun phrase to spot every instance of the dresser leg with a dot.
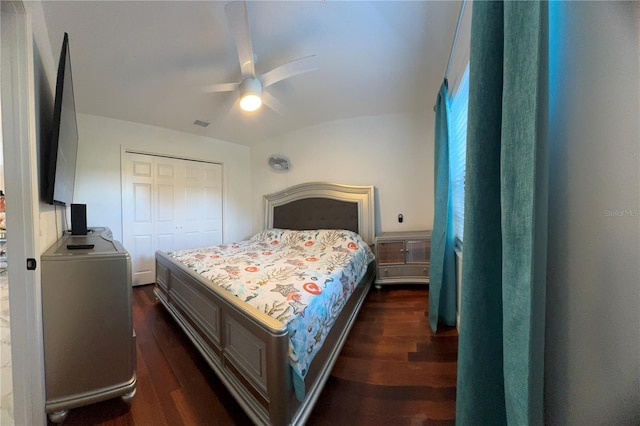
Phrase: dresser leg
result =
(59, 416)
(128, 397)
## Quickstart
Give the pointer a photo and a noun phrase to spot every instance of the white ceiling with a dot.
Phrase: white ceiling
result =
(148, 61)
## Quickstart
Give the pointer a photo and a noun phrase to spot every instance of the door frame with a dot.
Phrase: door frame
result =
(20, 166)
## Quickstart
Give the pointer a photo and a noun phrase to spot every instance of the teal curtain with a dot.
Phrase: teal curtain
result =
(501, 344)
(442, 285)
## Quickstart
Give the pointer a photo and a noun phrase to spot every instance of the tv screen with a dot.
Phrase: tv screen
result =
(63, 143)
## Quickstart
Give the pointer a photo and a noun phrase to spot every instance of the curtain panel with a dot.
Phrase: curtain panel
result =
(501, 344)
(442, 285)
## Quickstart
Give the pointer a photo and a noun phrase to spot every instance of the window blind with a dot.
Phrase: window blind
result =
(458, 149)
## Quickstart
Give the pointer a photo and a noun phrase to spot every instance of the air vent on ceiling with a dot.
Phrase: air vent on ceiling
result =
(201, 123)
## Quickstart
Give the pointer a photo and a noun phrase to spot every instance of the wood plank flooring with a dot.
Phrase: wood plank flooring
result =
(392, 371)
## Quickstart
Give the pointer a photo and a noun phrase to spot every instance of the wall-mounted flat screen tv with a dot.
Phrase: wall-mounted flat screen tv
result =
(60, 169)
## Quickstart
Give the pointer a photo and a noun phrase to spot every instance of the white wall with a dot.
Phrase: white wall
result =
(98, 178)
(50, 218)
(392, 152)
(98, 170)
(592, 355)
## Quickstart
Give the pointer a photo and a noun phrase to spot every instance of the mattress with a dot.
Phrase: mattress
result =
(301, 278)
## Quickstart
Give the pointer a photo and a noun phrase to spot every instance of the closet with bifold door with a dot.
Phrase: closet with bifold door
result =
(168, 204)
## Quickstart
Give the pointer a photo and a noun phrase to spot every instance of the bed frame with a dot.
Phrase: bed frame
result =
(248, 349)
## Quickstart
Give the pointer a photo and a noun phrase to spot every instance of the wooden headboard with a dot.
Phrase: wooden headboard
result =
(322, 205)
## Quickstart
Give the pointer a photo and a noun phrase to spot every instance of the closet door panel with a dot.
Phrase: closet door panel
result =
(138, 222)
(212, 217)
(166, 223)
(168, 204)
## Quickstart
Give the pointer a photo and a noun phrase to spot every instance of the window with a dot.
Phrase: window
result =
(458, 149)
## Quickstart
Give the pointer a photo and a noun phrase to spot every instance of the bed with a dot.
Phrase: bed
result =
(250, 348)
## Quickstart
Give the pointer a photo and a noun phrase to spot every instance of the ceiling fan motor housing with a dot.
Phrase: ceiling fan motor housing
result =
(250, 85)
(250, 94)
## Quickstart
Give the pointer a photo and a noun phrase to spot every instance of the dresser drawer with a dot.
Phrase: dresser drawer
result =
(391, 271)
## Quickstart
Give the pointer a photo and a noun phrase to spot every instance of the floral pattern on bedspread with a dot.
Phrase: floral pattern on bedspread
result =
(301, 278)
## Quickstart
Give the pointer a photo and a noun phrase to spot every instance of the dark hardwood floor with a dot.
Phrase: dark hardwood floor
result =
(392, 371)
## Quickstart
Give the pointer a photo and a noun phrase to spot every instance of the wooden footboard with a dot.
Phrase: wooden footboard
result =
(246, 348)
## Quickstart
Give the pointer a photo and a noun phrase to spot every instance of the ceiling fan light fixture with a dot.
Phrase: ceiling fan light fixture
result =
(250, 94)
(250, 102)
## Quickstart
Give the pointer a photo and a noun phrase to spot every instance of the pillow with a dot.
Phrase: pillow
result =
(338, 238)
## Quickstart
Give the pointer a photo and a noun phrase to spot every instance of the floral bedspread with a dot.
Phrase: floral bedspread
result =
(302, 278)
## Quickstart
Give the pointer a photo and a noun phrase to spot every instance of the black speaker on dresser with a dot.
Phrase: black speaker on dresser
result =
(78, 219)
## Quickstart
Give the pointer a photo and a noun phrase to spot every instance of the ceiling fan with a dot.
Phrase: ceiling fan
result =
(251, 88)
(279, 163)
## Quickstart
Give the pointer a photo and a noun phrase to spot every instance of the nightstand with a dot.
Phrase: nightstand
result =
(403, 257)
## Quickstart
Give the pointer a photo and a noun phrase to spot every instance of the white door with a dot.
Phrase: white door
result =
(212, 196)
(199, 204)
(168, 204)
(138, 216)
(164, 208)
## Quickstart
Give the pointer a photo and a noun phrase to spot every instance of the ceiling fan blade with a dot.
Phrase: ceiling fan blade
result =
(232, 104)
(299, 66)
(273, 103)
(223, 87)
(226, 107)
(239, 25)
